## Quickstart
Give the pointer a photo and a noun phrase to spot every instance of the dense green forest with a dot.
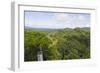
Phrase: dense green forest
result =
(57, 44)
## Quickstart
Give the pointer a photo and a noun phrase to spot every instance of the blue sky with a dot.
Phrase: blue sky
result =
(56, 20)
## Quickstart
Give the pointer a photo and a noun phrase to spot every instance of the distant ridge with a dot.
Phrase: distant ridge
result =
(52, 29)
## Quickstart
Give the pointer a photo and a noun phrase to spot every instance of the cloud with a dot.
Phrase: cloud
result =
(61, 17)
(58, 20)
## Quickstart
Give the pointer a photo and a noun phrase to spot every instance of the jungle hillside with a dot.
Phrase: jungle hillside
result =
(57, 44)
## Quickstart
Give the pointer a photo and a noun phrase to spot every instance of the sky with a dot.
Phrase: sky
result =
(56, 20)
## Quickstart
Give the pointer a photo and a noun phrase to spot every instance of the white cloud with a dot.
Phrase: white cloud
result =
(81, 18)
(61, 17)
(60, 20)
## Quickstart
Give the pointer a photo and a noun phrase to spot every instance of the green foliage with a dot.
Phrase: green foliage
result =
(57, 45)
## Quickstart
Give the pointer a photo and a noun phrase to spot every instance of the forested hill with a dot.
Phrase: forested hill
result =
(51, 29)
(57, 44)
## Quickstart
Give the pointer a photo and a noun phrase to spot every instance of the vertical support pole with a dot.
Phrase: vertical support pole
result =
(40, 55)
